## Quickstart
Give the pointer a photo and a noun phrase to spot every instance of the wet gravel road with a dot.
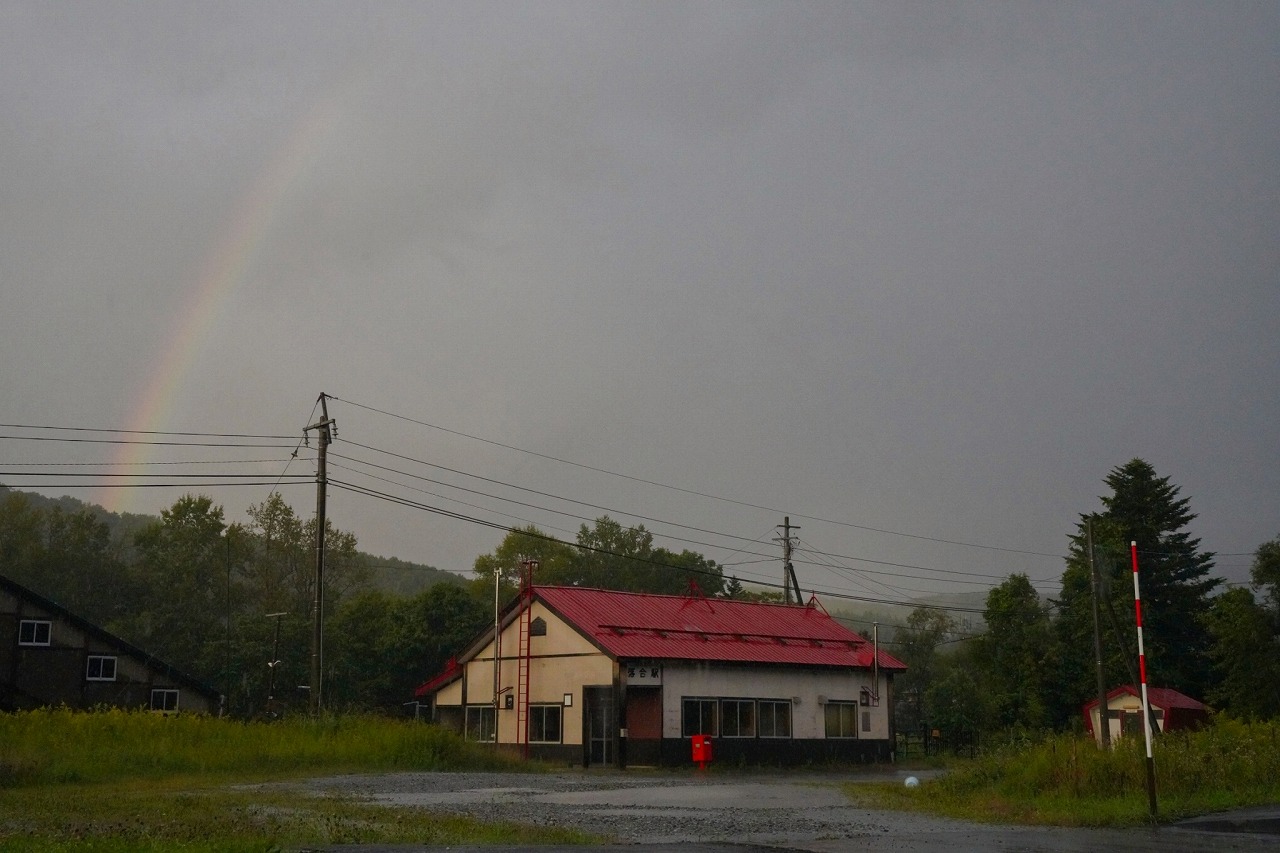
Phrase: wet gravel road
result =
(645, 811)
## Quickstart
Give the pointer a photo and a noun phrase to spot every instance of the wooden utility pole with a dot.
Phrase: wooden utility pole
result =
(789, 582)
(1104, 722)
(322, 428)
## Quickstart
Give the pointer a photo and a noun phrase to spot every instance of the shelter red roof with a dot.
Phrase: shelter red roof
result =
(1161, 697)
(639, 626)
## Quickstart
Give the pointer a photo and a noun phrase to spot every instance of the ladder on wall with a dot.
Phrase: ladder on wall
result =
(524, 655)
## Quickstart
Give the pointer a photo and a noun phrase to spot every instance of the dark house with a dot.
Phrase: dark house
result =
(50, 657)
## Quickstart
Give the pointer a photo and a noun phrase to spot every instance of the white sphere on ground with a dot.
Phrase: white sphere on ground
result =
(912, 782)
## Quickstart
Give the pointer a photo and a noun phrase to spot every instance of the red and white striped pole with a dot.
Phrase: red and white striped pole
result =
(1142, 669)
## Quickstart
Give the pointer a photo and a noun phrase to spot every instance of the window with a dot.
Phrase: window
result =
(840, 719)
(738, 718)
(100, 668)
(544, 724)
(538, 627)
(866, 721)
(699, 717)
(164, 700)
(33, 632)
(775, 718)
(480, 722)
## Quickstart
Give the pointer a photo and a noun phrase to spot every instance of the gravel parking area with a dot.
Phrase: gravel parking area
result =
(736, 811)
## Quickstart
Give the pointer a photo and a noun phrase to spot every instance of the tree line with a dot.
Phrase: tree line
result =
(199, 593)
(1035, 666)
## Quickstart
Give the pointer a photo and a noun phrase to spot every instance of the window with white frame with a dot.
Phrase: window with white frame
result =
(544, 723)
(34, 632)
(480, 723)
(699, 717)
(737, 718)
(100, 668)
(775, 718)
(841, 719)
(164, 699)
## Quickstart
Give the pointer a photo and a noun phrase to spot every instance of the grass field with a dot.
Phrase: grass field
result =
(135, 781)
(1066, 780)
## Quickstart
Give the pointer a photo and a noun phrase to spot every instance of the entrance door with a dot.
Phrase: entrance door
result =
(599, 701)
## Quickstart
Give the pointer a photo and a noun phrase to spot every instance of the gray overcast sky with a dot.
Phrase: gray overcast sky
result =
(929, 268)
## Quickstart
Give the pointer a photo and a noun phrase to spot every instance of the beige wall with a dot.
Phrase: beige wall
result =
(560, 662)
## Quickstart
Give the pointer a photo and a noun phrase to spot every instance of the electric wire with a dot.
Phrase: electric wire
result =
(693, 491)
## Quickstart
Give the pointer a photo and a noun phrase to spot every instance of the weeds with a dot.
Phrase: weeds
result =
(133, 781)
(1067, 780)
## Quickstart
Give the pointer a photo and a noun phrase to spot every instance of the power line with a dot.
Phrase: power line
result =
(135, 441)
(694, 492)
(497, 526)
(143, 431)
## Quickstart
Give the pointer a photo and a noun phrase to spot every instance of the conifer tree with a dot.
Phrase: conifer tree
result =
(1176, 586)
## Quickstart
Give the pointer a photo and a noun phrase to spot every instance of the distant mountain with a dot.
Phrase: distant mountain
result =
(388, 574)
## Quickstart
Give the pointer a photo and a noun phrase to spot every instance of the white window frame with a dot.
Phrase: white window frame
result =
(703, 702)
(102, 667)
(35, 625)
(770, 708)
(738, 718)
(475, 717)
(846, 712)
(164, 693)
(538, 715)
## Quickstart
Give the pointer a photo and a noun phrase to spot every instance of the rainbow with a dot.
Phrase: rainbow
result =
(217, 279)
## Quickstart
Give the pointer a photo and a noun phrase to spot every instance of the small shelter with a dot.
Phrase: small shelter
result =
(1171, 709)
(614, 678)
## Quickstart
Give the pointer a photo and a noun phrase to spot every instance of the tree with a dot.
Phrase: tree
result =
(612, 556)
(281, 572)
(918, 642)
(180, 578)
(530, 543)
(1146, 509)
(1266, 572)
(1246, 656)
(1015, 654)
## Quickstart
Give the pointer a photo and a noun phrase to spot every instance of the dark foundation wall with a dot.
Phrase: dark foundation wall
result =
(673, 752)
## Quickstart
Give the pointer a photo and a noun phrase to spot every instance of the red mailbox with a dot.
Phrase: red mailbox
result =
(702, 750)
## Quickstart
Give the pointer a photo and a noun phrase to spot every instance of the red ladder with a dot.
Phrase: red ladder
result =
(523, 656)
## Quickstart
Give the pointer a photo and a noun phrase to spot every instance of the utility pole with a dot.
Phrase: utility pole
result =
(271, 666)
(1104, 721)
(789, 582)
(322, 428)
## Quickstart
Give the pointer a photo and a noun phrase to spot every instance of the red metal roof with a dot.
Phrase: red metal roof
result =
(451, 672)
(1160, 697)
(640, 626)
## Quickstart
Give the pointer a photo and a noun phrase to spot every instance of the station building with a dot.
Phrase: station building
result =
(607, 678)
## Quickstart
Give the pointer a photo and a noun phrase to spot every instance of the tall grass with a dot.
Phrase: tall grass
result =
(63, 746)
(119, 781)
(1067, 780)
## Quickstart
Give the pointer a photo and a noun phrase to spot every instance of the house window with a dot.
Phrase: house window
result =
(866, 721)
(840, 719)
(775, 718)
(34, 632)
(164, 699)
(480, 722)
(737, 718)
(100, 668)
(538, 627)
(699, 717)
(544, 723)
